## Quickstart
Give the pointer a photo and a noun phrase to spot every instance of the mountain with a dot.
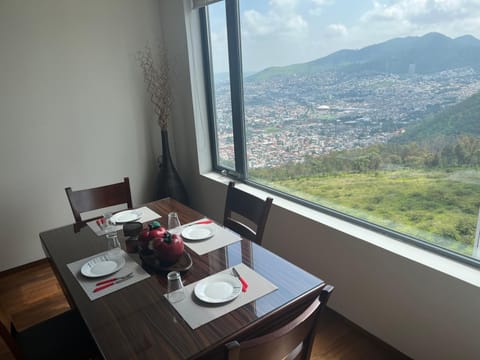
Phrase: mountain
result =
(425, 54)
(460, 119)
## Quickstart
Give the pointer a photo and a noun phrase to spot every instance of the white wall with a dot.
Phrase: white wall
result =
(423, 312)
(73, 110)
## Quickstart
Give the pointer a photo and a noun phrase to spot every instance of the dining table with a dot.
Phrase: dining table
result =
(139, 322)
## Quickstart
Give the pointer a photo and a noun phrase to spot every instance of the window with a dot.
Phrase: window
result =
(368, 111)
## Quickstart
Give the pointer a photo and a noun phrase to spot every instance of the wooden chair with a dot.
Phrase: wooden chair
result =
(248, 206)
(85, 200)
(292, 341)
(62, 337)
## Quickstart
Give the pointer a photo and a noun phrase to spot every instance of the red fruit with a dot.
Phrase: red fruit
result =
(168, 248)
(144, 238)
(157, 232)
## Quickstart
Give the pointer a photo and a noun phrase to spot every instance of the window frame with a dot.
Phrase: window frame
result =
(232, 11)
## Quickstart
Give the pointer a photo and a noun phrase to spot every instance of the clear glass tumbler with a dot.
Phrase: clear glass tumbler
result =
(173, 220)
(176, 292)
(110, 232)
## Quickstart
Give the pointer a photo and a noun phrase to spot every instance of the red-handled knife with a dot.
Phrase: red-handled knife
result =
(242, 280)
(104, 286)
(208, 221)
(114, 279)
(109, 282)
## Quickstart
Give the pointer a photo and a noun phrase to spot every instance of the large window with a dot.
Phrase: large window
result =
(367, 110)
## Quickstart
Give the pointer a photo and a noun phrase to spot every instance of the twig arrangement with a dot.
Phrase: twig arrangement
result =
(158, 85)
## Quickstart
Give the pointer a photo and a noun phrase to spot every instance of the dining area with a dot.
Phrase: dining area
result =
(75, 112)
(223, 288)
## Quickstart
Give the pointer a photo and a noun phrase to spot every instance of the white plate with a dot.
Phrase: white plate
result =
(126, 216)
(218, 288)
(198, 232)
(103, 265)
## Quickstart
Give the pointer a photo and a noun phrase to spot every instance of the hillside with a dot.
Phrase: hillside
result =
(462, 118)
(430, 53)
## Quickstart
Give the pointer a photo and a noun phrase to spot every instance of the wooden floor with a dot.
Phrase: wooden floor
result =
(32, 294)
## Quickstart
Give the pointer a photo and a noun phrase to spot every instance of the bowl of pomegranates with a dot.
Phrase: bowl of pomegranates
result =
(159, 244)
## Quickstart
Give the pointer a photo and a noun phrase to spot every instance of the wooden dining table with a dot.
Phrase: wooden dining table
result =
(138, 322)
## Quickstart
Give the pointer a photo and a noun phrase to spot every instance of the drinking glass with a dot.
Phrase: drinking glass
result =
(110, 232)
(176, 291)
(173, 220)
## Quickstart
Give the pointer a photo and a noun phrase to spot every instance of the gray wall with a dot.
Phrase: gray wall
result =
(73, 112)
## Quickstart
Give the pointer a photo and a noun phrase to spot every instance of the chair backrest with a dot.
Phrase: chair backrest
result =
(82, 201)
(292, 341)
(6, 335)
(248, 206)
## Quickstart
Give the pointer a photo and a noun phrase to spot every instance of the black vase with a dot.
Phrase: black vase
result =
(169, 182)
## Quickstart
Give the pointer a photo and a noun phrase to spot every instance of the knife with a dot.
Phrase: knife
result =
(242, 280)
(110, 282)
(114, 279)
(200, 222)
(207, 221)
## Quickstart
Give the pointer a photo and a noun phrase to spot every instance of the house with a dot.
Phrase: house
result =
(74, 112)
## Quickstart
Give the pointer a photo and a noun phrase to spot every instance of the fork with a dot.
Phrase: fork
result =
(109, 282)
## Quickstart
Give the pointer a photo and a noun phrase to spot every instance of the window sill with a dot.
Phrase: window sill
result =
(421, 256)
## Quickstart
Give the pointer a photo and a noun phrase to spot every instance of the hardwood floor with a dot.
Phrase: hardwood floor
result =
(337, 338)
(32, 294)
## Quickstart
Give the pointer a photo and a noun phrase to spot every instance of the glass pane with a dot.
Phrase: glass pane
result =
(370, 109)
(221, 80)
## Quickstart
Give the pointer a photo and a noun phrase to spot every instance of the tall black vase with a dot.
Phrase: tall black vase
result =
(169, 183)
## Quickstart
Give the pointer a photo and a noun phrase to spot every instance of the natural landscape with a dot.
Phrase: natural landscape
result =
(388, 134)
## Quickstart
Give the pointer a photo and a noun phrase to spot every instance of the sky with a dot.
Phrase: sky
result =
(284, 32)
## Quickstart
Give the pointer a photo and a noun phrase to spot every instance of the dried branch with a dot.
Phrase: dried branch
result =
(158, 84)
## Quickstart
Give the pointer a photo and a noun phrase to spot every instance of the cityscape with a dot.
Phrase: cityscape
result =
(291, 117)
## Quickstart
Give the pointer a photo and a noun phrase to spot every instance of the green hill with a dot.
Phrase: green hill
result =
(460, 119)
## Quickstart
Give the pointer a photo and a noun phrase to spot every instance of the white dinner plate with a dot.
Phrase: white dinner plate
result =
(126, 216)
(218, 288)
(198, 232)
(103, 265)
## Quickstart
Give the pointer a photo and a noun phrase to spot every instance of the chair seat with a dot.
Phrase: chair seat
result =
(62, 337)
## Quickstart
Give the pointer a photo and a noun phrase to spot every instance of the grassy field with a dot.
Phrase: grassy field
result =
(440, 207)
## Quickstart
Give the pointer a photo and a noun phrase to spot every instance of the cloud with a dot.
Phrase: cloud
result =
(286, 32)
(280, 20)
(322, 2)
(255, 23)
(284, 4)
(319, 5)
(336, 30)
(420, 12)
(418, 17)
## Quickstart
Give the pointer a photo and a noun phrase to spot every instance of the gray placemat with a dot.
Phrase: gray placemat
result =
(89, 284)
(197, 313)
(147, 215)
(221, 238)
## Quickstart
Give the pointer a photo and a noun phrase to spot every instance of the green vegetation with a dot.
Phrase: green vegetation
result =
(460, 119)
(425, 184)
(432, 205)
(462, 152)
(431, 193)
